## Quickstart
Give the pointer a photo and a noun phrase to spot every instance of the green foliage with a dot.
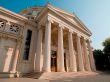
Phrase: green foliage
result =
(102, 57)
(106, 42)
(100, 60)
(98, 52)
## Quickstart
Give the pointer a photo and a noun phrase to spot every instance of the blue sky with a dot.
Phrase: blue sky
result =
(95, 14)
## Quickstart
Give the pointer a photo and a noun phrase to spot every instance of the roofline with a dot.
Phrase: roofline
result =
(47, 7)
(31, 8)
(8, 12)
(15, 15)
(61, 10)
(88, 32)
(72, 15)
(82, 24)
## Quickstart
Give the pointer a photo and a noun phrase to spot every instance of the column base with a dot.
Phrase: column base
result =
(81, 69)
(71, 69)
(88, 69)
(61, 70)
(46, 70)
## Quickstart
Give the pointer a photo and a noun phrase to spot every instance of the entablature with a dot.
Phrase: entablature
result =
(64, 24)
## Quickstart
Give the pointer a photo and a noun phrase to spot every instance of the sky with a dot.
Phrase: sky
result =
(95, 14)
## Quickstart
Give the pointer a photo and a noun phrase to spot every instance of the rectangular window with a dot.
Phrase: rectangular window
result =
(27, 45)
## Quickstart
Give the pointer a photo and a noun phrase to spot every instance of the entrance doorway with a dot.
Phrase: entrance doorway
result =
(53, 61)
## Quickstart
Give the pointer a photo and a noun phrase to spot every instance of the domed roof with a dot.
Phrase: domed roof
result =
(31, 13)
(30, 10)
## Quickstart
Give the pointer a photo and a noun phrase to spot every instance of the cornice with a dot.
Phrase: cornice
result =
(70, 15)
(16, 16)
(8, 12)
(71, 23)
(48, 8)
(82, 24)
(61, 10)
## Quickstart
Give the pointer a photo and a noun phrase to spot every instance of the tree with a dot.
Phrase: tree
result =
(100, 60)
(106, 51)
(106, 42)
(102, 57)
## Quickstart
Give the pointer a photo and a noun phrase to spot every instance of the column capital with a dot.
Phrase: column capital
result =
(61, 26)
(70, 31)
(78, 35)
(49, 19)
(84, 38)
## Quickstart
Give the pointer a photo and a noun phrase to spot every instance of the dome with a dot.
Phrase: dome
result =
(31, 13)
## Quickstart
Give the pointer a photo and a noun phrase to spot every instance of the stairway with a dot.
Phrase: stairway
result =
(58, 75)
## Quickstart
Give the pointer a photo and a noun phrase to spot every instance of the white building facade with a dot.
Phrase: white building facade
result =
(43, 39)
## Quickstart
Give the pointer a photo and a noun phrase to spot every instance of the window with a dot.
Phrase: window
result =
(27, 45)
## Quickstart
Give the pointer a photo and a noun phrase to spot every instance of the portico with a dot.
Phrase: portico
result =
(70, 47)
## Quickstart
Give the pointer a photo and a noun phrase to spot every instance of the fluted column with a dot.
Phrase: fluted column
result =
(38, 61)
(47, 48)
(79, 52)
(91, 58)
(15, 58)
(60, 53)
(87, 63)
(72, 55)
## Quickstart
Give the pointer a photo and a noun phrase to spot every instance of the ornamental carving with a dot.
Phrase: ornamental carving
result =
(14, 28)
(2, 24)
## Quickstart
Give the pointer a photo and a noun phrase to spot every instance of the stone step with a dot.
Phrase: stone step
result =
(32, 75)
(57, 75)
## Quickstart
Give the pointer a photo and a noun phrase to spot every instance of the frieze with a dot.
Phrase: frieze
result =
(10, 27)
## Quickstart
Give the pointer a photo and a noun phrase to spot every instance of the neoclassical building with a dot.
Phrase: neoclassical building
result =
(43, 39)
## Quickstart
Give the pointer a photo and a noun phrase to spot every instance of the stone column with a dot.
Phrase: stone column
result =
(15, 58)
(60, 53)
(91, 58)
(87, 63)
(47, 48)
(72, 55)
(38, 61)
(79, 53)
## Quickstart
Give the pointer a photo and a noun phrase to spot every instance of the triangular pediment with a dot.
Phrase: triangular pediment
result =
(70, 17)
